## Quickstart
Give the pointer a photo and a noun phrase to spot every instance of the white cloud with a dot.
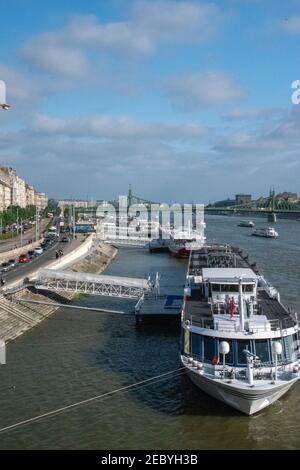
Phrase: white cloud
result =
(275, 142)
(253, 114)
(183, 21)
(107, 127)
(66, 51)
(197, 90)
(54, 58)
(102, 153)
(19, 86)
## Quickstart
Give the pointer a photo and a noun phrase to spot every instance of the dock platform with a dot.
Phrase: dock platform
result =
(162, 307)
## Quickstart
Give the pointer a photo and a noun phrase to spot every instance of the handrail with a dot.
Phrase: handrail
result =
(213, 324)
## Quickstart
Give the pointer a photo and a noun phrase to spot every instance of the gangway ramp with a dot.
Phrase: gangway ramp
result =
(93, 284)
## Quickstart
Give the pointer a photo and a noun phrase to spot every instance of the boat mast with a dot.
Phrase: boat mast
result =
(241, 305)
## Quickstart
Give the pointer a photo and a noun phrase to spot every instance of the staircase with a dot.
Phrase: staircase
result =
(17, 317)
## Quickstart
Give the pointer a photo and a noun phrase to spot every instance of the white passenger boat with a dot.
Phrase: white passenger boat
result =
(240, 344)
(246, 223)
(265, 232)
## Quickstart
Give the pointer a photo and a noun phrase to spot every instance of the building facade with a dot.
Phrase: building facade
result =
(41, 200)
(241, 199)
(15, 191)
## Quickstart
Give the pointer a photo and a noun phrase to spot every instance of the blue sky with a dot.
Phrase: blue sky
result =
(184, 99)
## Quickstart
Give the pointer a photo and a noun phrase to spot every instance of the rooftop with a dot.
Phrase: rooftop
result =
(232, 274)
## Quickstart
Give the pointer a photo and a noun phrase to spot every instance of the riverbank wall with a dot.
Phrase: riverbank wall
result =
(17, 316)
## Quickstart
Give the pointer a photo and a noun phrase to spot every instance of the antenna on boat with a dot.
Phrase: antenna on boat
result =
(250, 364)
(241, 305)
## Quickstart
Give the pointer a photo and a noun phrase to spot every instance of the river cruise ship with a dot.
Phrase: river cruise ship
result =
(240, 344)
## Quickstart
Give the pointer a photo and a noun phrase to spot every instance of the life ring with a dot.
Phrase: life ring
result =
(215, 360)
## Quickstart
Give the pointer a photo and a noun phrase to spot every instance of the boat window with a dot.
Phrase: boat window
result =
(215, 287)
(296, 344)
(229, 288)
(262, 350)
(288, 348)
(241, 357)
(230, 355)
(196, 345)
(209, 348)
(248, 288)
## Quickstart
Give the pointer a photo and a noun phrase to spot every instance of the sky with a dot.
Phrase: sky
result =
(186, 100)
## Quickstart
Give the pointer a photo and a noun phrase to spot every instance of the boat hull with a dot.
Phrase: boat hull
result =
(248, 401)
(264, 236)
(179, 252)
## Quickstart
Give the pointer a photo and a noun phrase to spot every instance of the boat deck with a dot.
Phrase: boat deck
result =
(271, 308)
(218, 256)
(162, 306)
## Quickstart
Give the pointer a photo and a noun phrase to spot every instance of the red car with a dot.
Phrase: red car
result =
(24, 259)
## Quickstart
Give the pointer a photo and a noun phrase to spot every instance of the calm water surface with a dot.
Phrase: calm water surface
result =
(75, 355)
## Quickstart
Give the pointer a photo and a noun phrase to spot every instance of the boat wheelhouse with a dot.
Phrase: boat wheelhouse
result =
(239, 342)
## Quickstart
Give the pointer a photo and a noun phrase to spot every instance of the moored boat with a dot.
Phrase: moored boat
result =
(240, 344)
(181, 243)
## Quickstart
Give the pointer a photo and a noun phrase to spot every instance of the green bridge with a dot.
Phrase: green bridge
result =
(264, 206)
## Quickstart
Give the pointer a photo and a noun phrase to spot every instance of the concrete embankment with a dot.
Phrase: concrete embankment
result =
(17, 316)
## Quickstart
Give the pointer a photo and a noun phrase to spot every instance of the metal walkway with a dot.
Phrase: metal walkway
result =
(137, 242)
(93, 284)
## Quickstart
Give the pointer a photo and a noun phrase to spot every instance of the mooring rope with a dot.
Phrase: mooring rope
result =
(126, 388)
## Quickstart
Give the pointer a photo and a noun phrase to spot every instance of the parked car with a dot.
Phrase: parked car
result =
(12, 262)
(65, 240)
(31, 254)
(24, 258)
(5, 267)
(38, 250)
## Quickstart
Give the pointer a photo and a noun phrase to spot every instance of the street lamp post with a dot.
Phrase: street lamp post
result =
(21, 232)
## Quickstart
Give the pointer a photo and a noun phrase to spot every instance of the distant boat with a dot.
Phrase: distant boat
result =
(183, 242)
(268, 232)
(246, 223)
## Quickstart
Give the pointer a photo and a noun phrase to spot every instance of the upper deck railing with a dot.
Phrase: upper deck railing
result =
(233, 326)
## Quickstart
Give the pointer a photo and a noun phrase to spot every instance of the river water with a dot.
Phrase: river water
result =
(75, 355)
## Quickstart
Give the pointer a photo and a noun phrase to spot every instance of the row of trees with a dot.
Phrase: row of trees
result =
(16, 213)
